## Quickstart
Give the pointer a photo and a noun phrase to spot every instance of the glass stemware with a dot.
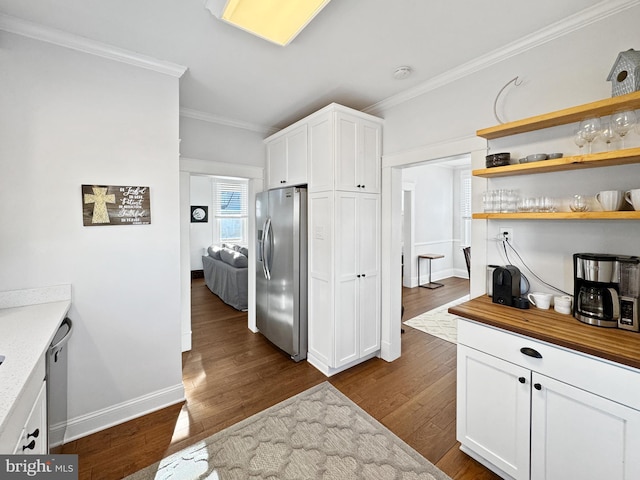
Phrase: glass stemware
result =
(623, 122)
(590, 129)
(579, 140)
(608, 134)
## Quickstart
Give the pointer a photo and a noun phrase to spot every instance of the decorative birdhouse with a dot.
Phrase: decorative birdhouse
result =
(625, 74)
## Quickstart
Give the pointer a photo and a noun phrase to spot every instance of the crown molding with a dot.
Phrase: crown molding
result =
(212, 118)
(556, 30)
(36, 31)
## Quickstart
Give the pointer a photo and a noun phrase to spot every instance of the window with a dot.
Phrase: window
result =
(231, 212)
(465, 208)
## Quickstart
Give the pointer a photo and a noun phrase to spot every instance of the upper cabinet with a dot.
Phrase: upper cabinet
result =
(335, 148)
(600, 108)
(345, 149)
(287, 157)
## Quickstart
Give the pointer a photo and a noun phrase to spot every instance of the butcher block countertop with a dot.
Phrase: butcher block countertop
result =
(612, 344)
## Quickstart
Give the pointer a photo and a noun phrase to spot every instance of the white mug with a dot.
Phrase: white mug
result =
(633, 197)
(611, 200)
(540, 300)
(562, 304)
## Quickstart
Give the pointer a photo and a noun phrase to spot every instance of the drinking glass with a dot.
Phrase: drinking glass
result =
(579, 139)
(623, 122)
(608, 134)
(578, 204)
(590, 129)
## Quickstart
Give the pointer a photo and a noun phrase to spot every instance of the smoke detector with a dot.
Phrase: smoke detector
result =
(401, 73)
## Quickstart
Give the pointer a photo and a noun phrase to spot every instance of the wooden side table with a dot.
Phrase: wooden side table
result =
(430, 257)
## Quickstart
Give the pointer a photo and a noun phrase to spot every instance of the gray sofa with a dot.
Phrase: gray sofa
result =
(226, 273)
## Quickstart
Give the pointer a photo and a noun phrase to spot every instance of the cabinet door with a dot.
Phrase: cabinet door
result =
(347, 153)
(34, 435)
(368, 251)
(297, 156)
(576, 434)
(277, 163)
(358, 146)
(287, 159)
(369, 165)
(347, 279)
(493, 410)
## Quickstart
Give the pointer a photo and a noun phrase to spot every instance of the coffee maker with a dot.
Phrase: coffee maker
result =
(506, 285)
(606, 290)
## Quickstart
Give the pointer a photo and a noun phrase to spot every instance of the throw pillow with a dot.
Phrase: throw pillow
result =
(233, 258)
(214, 251)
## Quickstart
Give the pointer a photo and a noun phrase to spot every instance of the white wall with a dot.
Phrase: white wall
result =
(566, 71)
(200, 234)
(69, 119)
(221, 143)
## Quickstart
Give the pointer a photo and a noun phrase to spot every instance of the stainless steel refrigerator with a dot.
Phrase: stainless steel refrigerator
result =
(281, 269)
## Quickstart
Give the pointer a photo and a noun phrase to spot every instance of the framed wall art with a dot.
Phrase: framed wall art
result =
(115, 205)
(199, 214)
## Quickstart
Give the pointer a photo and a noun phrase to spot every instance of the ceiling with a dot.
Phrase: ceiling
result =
(347, 54)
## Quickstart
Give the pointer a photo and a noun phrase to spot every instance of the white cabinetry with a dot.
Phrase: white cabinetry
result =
(344, 238)
(287, 157)
(344, 286)
(357, 277)
(26, 430)
(344, 150)
(33, 438)
(530, 410)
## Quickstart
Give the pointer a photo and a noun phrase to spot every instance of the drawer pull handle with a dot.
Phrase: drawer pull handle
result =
(30, 446)
(522, 380)
(35, 433)
(531, 352)
(537, 386)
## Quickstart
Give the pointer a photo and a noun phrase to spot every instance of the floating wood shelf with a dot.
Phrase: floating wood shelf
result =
(624, 215)
(593, 160)
(630, 101)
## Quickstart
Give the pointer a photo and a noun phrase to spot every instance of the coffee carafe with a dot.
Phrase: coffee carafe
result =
(596, 289)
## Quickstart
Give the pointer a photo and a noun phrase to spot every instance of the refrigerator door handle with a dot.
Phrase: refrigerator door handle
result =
(266, 233)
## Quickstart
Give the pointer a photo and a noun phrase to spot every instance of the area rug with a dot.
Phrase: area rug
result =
(317, 434)
(438, 322)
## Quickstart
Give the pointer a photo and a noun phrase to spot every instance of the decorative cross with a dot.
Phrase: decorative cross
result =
(100, 200)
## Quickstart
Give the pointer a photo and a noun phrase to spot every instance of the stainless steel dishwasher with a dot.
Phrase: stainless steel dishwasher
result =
(57, 384)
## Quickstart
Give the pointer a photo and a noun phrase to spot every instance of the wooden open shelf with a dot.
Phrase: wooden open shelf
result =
(593, 160)
(630, 101)
(622, 215)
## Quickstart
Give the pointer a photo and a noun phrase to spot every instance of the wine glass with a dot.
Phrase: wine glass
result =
(579, 140)
(590, 129)
(608, 134)
(623, 122)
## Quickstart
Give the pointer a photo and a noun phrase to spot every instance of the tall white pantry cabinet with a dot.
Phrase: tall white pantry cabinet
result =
(343, 155)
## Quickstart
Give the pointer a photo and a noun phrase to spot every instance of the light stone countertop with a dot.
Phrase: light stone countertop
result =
(26, 331)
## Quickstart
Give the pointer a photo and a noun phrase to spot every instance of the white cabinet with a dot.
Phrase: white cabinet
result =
(344, 279)
(33, 438)
(345, 149)
(357, 277)
(287, 157)
(25, 431)
(493, 410)
(554, 415)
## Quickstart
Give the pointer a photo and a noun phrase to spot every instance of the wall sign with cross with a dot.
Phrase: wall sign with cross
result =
(115, 205)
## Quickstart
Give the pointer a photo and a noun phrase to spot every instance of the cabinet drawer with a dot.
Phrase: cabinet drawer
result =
(609, 380)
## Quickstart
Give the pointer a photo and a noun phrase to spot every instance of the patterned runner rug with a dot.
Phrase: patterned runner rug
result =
(317, 434)
(438, 322)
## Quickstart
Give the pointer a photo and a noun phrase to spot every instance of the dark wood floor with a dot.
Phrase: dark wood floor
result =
(231, 374)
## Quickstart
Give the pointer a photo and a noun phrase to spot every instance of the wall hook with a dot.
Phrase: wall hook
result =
(517, 83)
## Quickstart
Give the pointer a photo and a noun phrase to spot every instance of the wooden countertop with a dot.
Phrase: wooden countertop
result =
(613, 344)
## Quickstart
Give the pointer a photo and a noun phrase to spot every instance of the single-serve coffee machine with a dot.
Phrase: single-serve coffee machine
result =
(606, 290)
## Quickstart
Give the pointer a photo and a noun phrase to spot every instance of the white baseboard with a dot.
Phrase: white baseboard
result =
(96, 421)
(329, 371)
(186, 341)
